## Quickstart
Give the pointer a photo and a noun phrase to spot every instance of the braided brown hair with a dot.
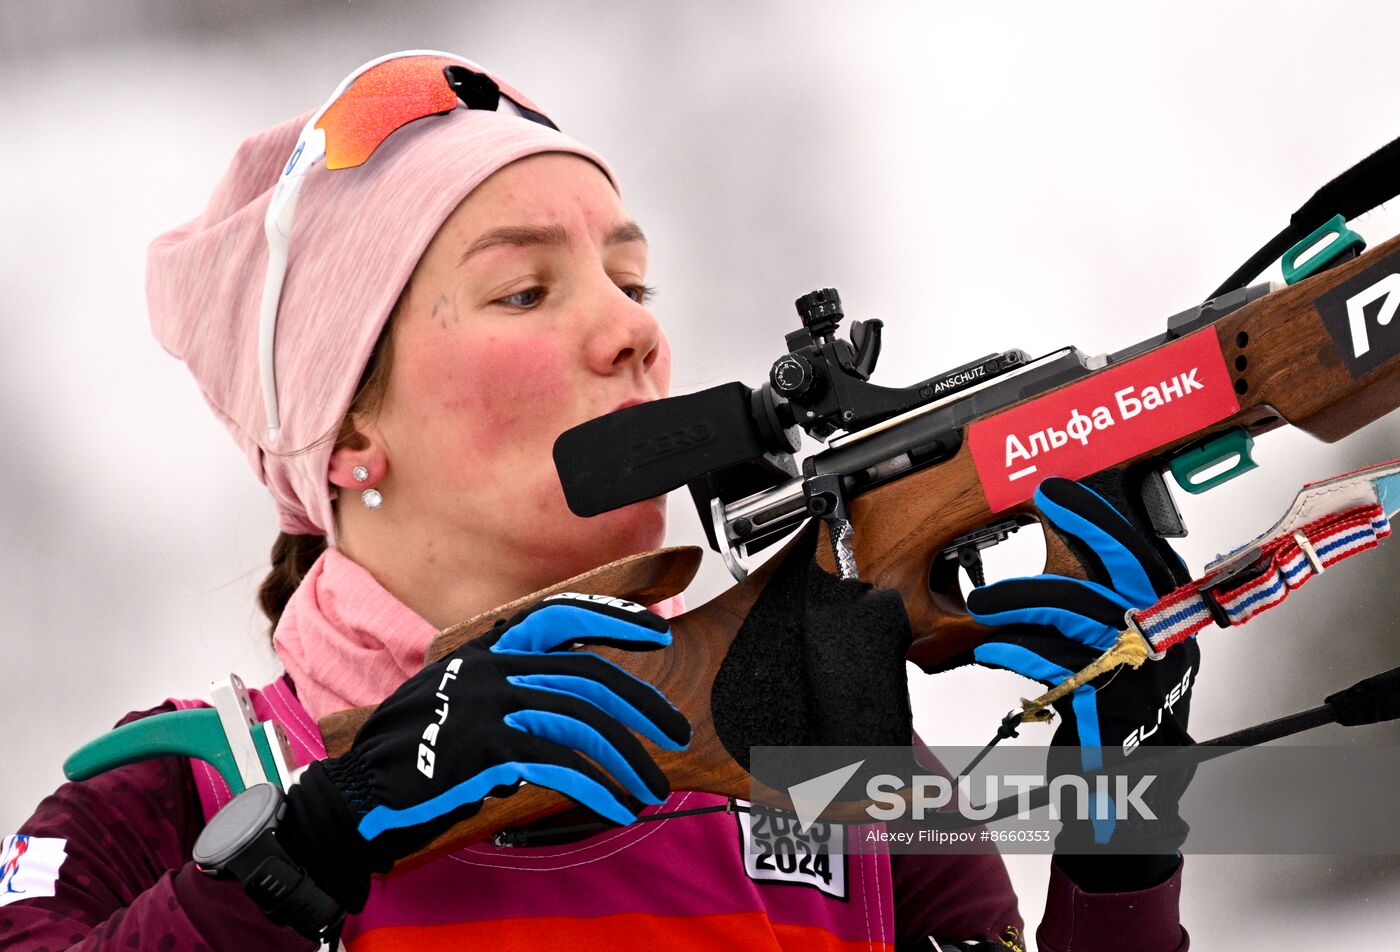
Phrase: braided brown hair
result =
(293, 555)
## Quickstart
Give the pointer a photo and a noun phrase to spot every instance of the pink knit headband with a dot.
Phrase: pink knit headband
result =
(357, 237)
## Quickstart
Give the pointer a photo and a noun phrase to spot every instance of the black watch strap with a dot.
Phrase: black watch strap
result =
(240, 841)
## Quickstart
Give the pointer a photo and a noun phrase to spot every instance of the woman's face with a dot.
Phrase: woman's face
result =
(526, 316)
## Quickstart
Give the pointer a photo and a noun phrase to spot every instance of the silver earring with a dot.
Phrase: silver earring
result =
(372, 498)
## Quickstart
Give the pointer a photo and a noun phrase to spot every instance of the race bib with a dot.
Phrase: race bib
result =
(775, 849)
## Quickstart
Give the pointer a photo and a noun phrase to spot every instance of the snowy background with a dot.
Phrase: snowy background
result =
(979, 176)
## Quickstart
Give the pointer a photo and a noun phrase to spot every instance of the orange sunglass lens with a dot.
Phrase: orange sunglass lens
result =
(380, 100)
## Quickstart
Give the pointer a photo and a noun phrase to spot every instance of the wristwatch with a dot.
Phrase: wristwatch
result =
(240, 842)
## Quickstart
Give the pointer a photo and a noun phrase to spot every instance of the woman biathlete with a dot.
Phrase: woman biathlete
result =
(395, 307)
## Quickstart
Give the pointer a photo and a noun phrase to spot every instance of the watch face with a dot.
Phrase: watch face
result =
(241, 821)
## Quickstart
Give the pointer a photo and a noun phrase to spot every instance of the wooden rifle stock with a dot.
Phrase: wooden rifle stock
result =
(1285, 367)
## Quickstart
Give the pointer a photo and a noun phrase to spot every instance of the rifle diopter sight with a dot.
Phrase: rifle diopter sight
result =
(822, 383)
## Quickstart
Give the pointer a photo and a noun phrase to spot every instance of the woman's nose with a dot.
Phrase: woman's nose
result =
(626, 336)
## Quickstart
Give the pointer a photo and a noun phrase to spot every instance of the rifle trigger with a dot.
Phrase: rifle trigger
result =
(970, 558)
(967, 549)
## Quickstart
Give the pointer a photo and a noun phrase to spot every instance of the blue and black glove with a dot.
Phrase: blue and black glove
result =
(1054, 626)
(514, 705)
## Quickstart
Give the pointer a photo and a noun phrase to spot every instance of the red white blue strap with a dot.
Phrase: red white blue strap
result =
(1328, 521)
(1284, 564)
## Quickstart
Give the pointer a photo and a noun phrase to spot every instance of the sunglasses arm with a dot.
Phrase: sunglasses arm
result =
(277, 245)
(277, 227)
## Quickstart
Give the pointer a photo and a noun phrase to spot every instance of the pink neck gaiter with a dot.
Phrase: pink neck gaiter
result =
(347, 642)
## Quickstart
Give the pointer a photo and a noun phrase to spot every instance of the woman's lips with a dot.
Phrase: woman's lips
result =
(635, 401)
(631, 402)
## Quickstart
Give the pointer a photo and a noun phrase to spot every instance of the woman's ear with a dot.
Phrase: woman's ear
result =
(358, 461)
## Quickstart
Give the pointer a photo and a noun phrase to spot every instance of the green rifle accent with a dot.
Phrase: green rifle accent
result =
(197, 734)
(1193, 460)
(1345, 245)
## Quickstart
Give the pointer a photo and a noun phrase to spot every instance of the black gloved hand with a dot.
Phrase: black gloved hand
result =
(510, 706)
(1055, 626)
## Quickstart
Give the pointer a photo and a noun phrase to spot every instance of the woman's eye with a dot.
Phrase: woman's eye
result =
(641, 293)
(524, 300)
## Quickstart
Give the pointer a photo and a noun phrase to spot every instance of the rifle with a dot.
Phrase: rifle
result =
(915, 482)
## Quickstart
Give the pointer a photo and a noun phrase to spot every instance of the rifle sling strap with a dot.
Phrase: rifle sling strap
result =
(1367, 184)
(1285, 563)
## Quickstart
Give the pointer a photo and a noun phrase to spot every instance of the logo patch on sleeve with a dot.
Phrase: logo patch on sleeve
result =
(775, 850)
(29, 866)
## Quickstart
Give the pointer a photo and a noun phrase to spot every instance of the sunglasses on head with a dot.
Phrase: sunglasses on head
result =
(368, 106)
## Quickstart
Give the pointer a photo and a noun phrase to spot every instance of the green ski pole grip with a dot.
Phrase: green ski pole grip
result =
(196, 734)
